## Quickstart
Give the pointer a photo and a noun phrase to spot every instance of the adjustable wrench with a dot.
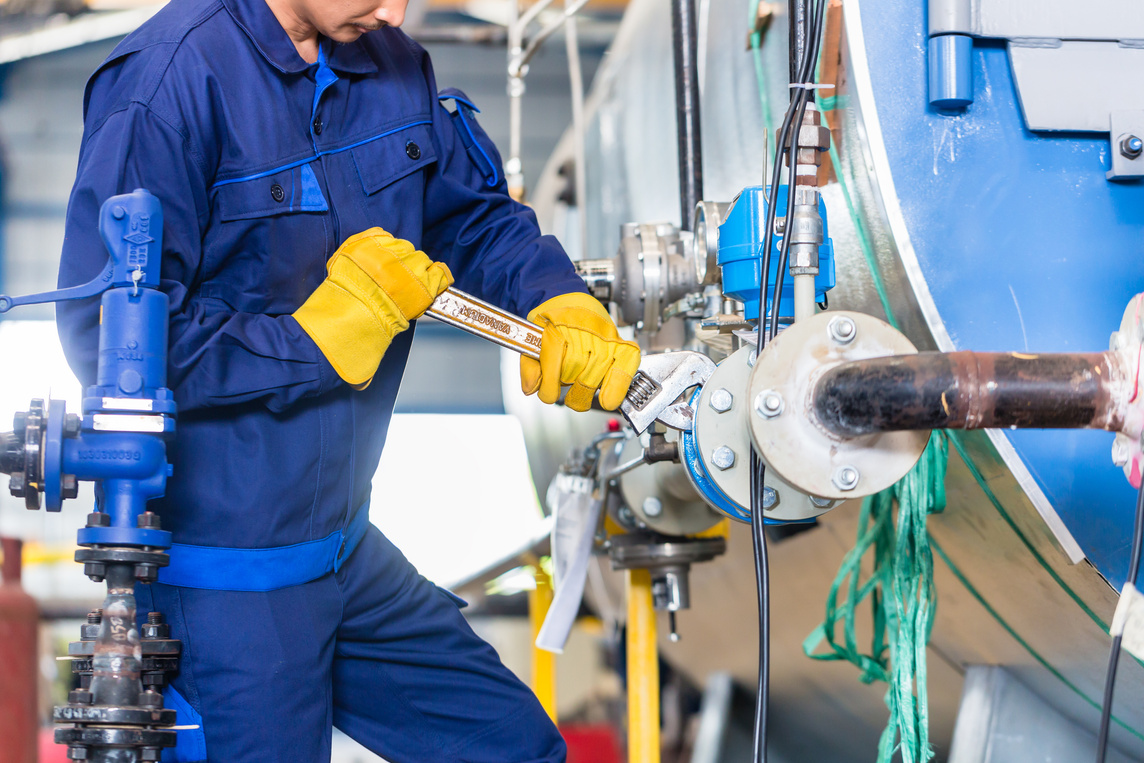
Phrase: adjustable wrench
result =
(656, 391)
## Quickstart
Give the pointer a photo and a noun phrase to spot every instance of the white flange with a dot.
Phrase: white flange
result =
(782, 422)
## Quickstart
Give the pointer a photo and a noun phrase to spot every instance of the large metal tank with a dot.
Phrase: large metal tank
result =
(972, 232)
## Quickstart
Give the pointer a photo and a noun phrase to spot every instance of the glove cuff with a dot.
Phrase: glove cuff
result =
(349, 331)
(553, 310)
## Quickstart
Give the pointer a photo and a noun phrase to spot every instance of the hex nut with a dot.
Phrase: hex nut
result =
(652, 506)
(723, 457)
(721, 400)
(820, 503)
(770, 497)
(842, 329)
(1131, 147)
(846, 477)
(95, 570)
(769, 403)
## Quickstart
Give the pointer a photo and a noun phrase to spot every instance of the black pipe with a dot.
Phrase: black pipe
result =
(686, 53)
(969, 390)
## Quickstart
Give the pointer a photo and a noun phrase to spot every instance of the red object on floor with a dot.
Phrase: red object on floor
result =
(19, 662)
(597, 743)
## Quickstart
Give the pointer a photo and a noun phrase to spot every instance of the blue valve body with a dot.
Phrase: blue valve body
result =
(741, 253)
(128, 414)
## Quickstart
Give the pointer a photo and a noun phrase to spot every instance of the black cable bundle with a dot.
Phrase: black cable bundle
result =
(787, 143)
(1114, 653)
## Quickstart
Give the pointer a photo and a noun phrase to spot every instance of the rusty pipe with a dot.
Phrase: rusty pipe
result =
(118, 655)
(977, 390)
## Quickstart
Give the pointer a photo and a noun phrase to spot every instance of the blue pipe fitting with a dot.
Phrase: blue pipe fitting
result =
(128, 413)
(741, 253)
(950, 71)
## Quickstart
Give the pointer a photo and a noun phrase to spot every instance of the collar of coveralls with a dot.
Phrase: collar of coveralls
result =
(262, 26)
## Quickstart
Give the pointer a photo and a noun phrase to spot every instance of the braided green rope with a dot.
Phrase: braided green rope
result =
(902, 594)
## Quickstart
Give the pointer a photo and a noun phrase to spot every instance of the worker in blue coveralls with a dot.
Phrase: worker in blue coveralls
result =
(318, 193)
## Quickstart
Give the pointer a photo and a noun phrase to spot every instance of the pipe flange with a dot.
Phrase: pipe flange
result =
(793, 443)
(1128, 447)
(637, 551)
(722, 425)
(709, 215)
(681, 511)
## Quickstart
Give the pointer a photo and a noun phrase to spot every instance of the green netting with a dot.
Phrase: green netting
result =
(900, 592)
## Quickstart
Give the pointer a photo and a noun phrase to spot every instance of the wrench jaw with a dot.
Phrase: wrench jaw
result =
(659, 385)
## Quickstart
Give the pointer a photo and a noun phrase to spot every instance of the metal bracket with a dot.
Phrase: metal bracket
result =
(1126, 136)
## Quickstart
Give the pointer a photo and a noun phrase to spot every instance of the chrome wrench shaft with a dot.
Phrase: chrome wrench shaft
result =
(656, 391)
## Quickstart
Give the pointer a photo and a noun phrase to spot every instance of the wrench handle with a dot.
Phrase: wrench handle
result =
(481, 319)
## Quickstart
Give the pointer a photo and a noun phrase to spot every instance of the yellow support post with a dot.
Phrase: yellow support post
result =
(643, 671)
(543, 661)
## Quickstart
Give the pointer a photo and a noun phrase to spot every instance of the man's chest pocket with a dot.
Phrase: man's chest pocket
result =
(391, 171)
(267, 251)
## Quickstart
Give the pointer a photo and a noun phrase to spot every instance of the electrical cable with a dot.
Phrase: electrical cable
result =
(1114, 652)
(787, 140)
(762, 577)
(787, 143)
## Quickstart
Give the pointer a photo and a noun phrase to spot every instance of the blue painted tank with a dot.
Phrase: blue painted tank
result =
(969, 231)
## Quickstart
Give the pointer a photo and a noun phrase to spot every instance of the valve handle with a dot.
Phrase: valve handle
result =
(126, 223)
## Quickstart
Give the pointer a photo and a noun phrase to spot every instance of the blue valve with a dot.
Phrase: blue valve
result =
(128, 414)
(132, 228)
(741, 253)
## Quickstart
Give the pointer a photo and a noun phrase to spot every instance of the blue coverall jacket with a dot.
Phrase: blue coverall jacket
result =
(264, 164)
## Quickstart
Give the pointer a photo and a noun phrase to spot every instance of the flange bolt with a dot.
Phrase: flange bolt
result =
(148, 520)
(821, 503)
(1131, 146)
(721, 400)
(842, 329)
(770, 497)
(652, 506)
(723, 457)
(80, 697)
(768, 403)
(72, 425)
(95, 570)
(846, 477)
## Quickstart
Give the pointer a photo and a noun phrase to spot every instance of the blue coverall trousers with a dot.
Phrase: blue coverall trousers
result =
(373, 648)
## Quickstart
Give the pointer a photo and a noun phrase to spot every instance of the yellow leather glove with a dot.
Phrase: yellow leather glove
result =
(375, 285)
(581, 347)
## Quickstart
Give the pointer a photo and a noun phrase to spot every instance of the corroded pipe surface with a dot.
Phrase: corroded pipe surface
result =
(973, 390)
(118, 655)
